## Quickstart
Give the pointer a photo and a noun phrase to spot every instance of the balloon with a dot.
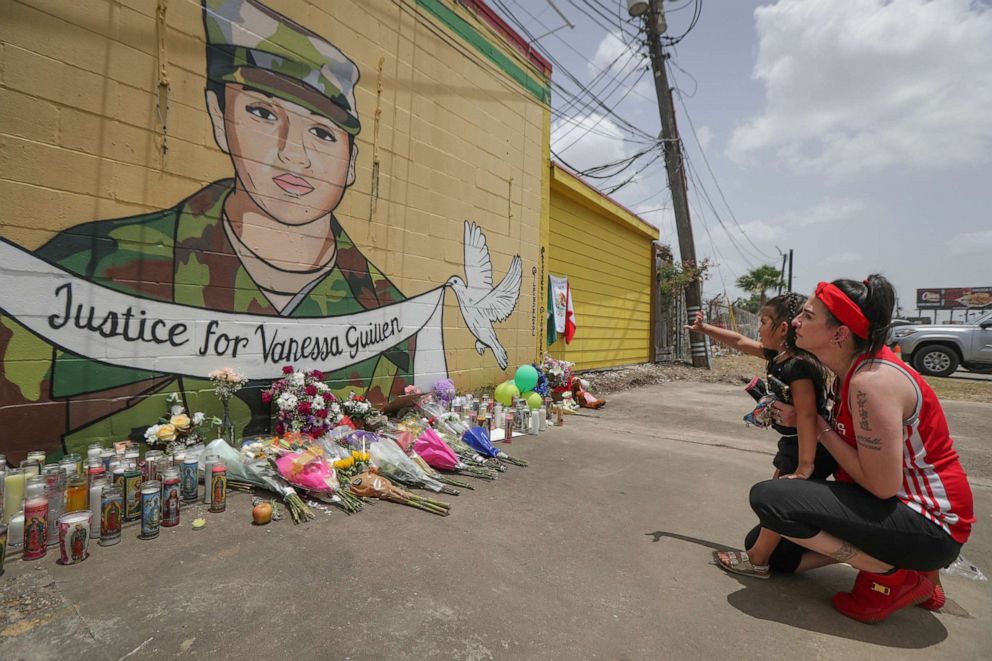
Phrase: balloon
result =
(505, 393)
(525, 378)
(534, 400)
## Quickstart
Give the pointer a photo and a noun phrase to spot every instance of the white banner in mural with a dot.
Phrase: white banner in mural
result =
(124, 330)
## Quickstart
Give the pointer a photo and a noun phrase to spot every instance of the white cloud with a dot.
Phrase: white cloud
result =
(613, 62)
(588, 140)
(827, 211)
(705, 135)
(854, 86)
(841, 258)
(971, 243)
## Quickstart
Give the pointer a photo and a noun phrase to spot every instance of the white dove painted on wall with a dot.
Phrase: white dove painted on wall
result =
(481, 304)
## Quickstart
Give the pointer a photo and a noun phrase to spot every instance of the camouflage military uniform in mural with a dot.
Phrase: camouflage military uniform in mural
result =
(281, 100)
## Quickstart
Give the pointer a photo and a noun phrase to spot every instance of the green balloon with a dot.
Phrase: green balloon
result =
(525, 378)
(505, 393)
(534, 400)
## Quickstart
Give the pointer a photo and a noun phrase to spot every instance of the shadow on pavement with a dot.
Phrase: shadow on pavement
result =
(803, 601)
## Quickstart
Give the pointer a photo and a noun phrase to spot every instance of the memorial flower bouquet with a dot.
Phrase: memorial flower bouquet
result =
(303, 403)
(358, 409)
(227, 382)
(178, 429)
(558, 374)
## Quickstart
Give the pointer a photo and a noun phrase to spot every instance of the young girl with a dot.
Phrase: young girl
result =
(796, 377)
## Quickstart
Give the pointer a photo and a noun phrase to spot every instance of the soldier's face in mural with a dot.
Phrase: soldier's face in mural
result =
(294, 164)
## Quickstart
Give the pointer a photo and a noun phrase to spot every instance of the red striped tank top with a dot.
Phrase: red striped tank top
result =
(934, 483)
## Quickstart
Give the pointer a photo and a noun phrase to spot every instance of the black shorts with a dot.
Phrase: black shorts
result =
(787, 459)
(887, 530)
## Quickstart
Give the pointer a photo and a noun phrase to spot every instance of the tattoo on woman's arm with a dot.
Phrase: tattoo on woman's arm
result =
(863, 411)
(869, 442)
(844, 553)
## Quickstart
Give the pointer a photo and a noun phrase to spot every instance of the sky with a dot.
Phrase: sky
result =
(857, 133)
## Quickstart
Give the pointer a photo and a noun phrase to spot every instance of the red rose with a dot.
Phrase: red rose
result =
(288, 369)
(304, 408)
(317, 374)
(266, 397)
(359, 398)
(280, 429)
(322, 413)
(328, 397)
(311, 390)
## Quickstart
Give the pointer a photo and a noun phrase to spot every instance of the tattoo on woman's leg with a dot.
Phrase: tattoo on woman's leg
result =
(844, 553)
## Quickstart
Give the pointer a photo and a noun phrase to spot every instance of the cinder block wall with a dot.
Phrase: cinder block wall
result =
(454, 127)
(606, 252)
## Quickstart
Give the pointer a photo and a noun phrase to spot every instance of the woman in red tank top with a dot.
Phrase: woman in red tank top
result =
(901, 506)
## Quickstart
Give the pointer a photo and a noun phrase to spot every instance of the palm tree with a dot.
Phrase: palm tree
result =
(759, 280)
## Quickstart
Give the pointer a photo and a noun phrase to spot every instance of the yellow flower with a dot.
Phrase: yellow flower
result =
(180, 422)
(358, 455)
(344, 464)
(166, 433)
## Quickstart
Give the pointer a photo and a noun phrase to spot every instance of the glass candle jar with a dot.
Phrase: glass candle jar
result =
(111, 515)
(96, 494)
(55, 490)
(76, 493)
(218, 487)
(35, 518)
(151, 509)
(13, 492)
(132, 492)
(189, 479)
(208, 464)
(74, 536)
(170, 497)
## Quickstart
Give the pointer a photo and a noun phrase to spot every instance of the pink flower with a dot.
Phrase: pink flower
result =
(266, 397)
(311, 390)
(317, 374)
(327, 397)
(322, 413)
(304, 408)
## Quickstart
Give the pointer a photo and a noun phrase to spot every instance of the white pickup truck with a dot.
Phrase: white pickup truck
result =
(939, 350)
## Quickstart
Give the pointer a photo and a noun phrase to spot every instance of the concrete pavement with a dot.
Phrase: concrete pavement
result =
(599, 550)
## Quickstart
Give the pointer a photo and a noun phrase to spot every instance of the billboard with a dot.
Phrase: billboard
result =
(954, 298)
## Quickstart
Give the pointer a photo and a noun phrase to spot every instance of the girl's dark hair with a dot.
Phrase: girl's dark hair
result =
(786, 307)
(877, 298)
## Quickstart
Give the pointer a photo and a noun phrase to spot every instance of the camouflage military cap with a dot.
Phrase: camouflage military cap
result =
(249, 44)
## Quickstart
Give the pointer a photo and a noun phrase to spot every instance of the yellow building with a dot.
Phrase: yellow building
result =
(607, 253)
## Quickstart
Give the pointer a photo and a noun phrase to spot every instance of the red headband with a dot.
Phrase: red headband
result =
(842, 307)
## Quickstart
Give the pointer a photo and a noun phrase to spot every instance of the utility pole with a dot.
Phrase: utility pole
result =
(781, 274)
(654, 20)
(790, 269)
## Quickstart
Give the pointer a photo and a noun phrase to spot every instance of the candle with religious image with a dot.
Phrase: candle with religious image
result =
(218, 487)
(189, 479)
(208, 464)
(508, 426)
(111, 515)
(151, 509)
(170, 497)
(74, 536)
(35, 518)
(132, 492)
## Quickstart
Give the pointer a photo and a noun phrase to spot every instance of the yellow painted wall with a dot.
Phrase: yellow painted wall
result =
(605, 251)
(456, 137)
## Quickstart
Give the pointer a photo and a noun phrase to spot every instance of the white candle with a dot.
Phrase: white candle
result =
(15, 532)
(535, 423)
(96, 495)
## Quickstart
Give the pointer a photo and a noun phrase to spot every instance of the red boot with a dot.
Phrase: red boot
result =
(936, 602)
(876, 596)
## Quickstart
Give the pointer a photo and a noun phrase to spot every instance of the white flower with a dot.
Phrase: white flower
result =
(318, 403)
(321, 386)
(287, 401)
(335, 408)
(198, 418)
(177, 410)
(151, 434)
(296, 378)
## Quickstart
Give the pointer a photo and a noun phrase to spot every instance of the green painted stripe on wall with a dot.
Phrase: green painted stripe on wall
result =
(459, 26)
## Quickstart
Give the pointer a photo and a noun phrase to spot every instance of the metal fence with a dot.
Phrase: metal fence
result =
(673, 338)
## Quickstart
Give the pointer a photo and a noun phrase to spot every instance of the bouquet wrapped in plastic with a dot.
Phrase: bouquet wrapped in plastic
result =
(371, 485)
(439, 455)
(392, 462)
(259, 472)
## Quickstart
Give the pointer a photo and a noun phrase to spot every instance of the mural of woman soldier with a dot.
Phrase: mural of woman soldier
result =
(265, 243)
